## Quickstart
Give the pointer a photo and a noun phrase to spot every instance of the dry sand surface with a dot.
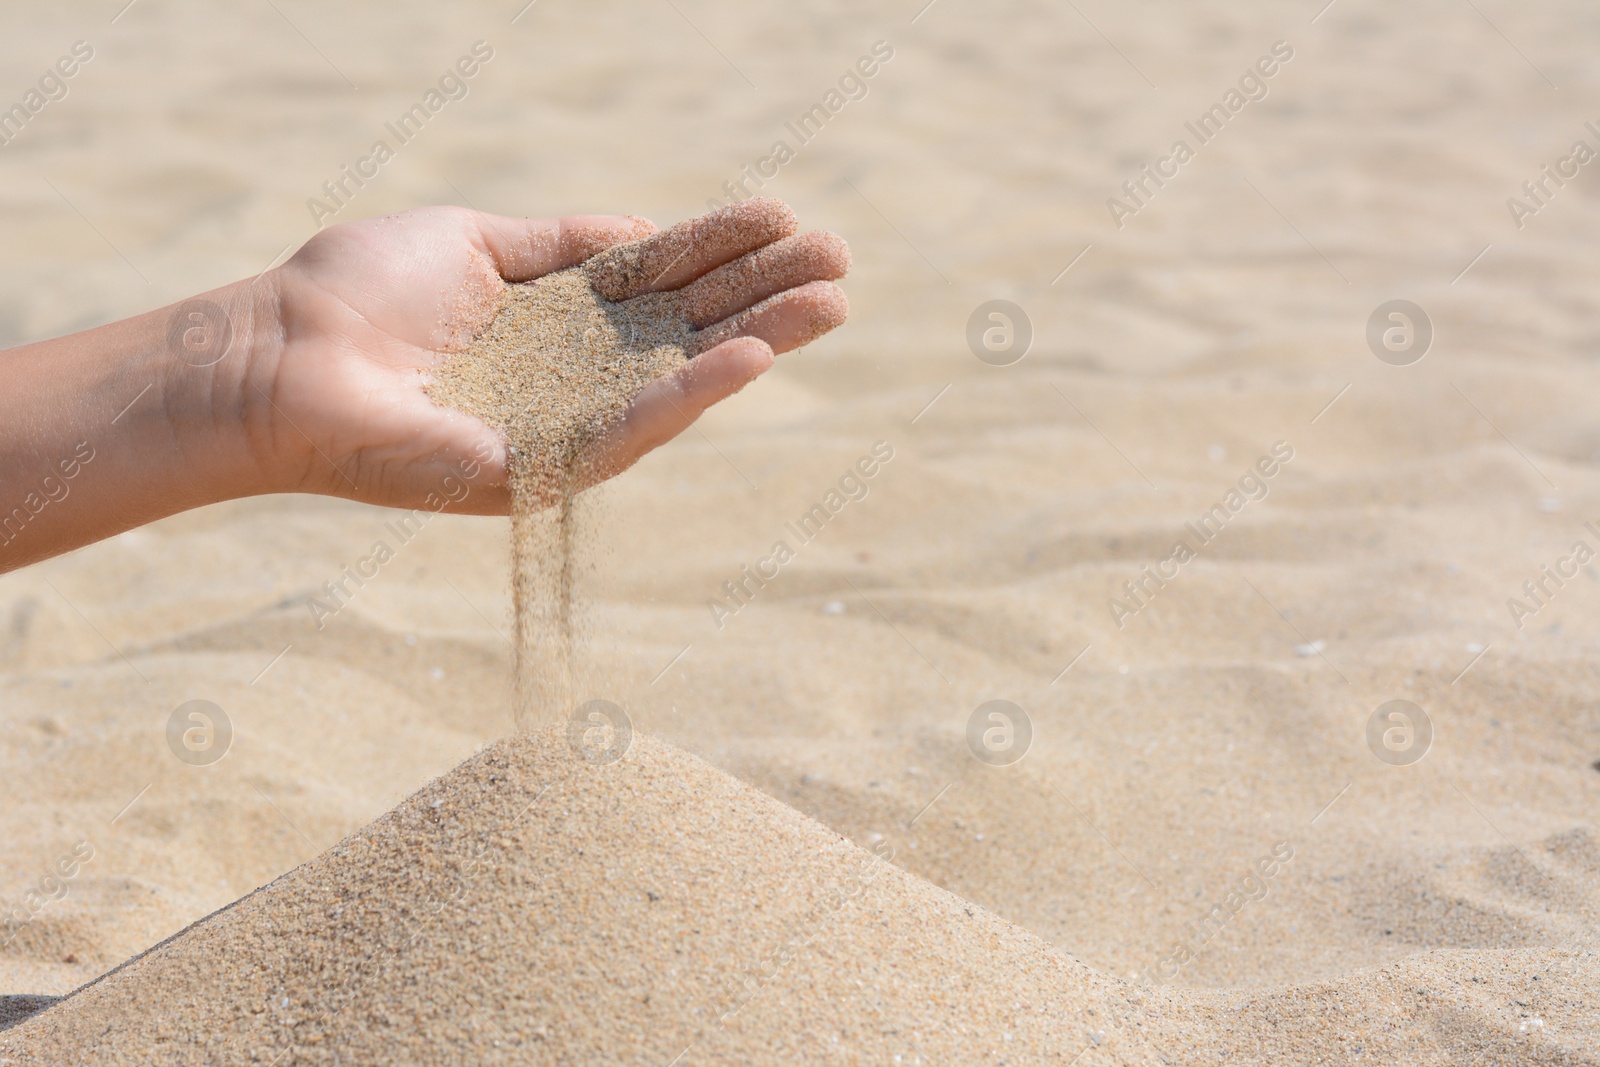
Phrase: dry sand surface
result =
(1437, 911)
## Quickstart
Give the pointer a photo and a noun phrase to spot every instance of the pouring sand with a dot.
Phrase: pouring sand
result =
(557, 367)
(554, 371)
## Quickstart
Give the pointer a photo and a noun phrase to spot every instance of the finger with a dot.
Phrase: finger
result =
(531, 248)
(668, 405)
(689, 249)
(785, 322)
(769, 270)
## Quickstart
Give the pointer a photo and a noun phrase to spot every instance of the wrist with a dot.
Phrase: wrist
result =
(210, 356)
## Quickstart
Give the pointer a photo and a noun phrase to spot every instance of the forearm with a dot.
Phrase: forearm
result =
(108, 429)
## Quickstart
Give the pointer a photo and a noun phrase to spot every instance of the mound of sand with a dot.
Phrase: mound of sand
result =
(626, 913)
(657, 910)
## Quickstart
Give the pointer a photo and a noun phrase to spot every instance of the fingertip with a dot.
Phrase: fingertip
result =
(750, 352)
(772, 215)
(725, 369)
(825, 308)
(833, 299)
(830, 254)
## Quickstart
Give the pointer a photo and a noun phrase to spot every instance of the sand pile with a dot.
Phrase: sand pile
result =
(532, 905)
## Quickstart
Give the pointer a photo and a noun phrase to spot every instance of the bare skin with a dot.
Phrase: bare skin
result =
(309, 379)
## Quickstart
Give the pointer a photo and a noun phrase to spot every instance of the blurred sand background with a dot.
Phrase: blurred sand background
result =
(1226, 718)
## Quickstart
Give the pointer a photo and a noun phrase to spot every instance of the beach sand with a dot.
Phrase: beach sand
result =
(533, 902)
(1441, 911)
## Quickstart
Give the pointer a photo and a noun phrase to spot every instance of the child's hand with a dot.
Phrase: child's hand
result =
(367, 308)
(310, 378)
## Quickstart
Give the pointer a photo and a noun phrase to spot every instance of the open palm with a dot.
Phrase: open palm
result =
(368, 308)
